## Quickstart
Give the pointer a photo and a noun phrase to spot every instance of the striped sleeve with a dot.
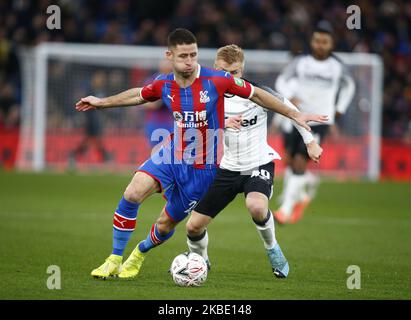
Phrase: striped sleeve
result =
(152, 91)
(239, 87)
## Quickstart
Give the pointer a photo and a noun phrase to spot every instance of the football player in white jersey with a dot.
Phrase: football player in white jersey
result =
(318, 82)
(246, 167)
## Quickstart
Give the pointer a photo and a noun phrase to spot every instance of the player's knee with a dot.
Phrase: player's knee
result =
(141, 187)
(137, 191)
(165, 225)
(287, 158)
(163, 229)
(132, 194)
(299, 164)
(257, 209)
(194, 229)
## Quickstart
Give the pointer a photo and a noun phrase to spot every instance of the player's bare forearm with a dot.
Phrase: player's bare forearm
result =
(267, 100)
(126, 98)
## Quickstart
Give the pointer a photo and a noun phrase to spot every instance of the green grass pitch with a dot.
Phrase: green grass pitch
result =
(66, 220)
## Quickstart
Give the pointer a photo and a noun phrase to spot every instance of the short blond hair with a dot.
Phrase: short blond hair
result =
(230, 54)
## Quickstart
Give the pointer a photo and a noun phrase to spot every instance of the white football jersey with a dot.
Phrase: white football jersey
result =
(247, 148)
(323, 86)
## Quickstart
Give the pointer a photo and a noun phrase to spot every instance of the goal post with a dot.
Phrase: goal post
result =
(56, 75)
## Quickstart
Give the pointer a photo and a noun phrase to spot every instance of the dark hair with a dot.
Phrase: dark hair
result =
(324, 26)
(180, 36)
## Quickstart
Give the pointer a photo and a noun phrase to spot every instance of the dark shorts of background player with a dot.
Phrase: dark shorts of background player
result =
(227, 184)
(294, 143)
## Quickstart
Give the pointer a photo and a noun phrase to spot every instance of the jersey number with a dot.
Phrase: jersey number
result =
(261, 173)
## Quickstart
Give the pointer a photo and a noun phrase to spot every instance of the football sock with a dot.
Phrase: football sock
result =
(292, 193)
(199, 244)
(154, 239)
(124, 223)
(312, 183)
(286, 178)
(266, 230)
(287, 173)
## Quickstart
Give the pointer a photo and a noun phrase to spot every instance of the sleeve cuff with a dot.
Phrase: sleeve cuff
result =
(252, 91)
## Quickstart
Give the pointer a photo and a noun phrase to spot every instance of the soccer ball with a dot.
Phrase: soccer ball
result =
(189, 269)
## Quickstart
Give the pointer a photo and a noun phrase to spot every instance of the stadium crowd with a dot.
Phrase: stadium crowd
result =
(252, 24)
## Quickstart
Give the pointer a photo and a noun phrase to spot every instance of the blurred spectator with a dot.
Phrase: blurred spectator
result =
(157, 115)
(92, 125)
(252, 24)
(9, 109)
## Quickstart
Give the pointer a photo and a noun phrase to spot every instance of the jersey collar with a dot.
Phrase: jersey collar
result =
(198, 72)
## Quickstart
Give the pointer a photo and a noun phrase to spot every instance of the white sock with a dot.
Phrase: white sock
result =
(267, 231)
(312, 183)
(292, 193)
(199, 244)
(311, 178)
(302, 192)
(287, 173)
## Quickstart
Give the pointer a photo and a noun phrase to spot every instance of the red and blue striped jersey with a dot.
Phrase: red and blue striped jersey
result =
(198, 112)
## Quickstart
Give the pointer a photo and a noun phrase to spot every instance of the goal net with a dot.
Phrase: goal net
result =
(54, 136)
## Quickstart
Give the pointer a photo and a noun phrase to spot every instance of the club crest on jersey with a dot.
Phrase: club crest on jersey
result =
(204, 98)
(239, 82)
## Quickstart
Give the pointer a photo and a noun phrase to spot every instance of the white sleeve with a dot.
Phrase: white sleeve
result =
(346, 92)
(305, 134)
(286, 83)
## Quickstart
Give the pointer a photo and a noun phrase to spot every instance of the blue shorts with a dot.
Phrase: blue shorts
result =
(184, 184)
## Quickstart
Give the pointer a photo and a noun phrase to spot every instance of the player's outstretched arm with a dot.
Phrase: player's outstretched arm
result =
(313, 148)
(126, 98)
(265, 99)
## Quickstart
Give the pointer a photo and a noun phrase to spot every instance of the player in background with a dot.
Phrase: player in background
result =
(93, 133)
(185, 167)
(316, 82)
(246, 167)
